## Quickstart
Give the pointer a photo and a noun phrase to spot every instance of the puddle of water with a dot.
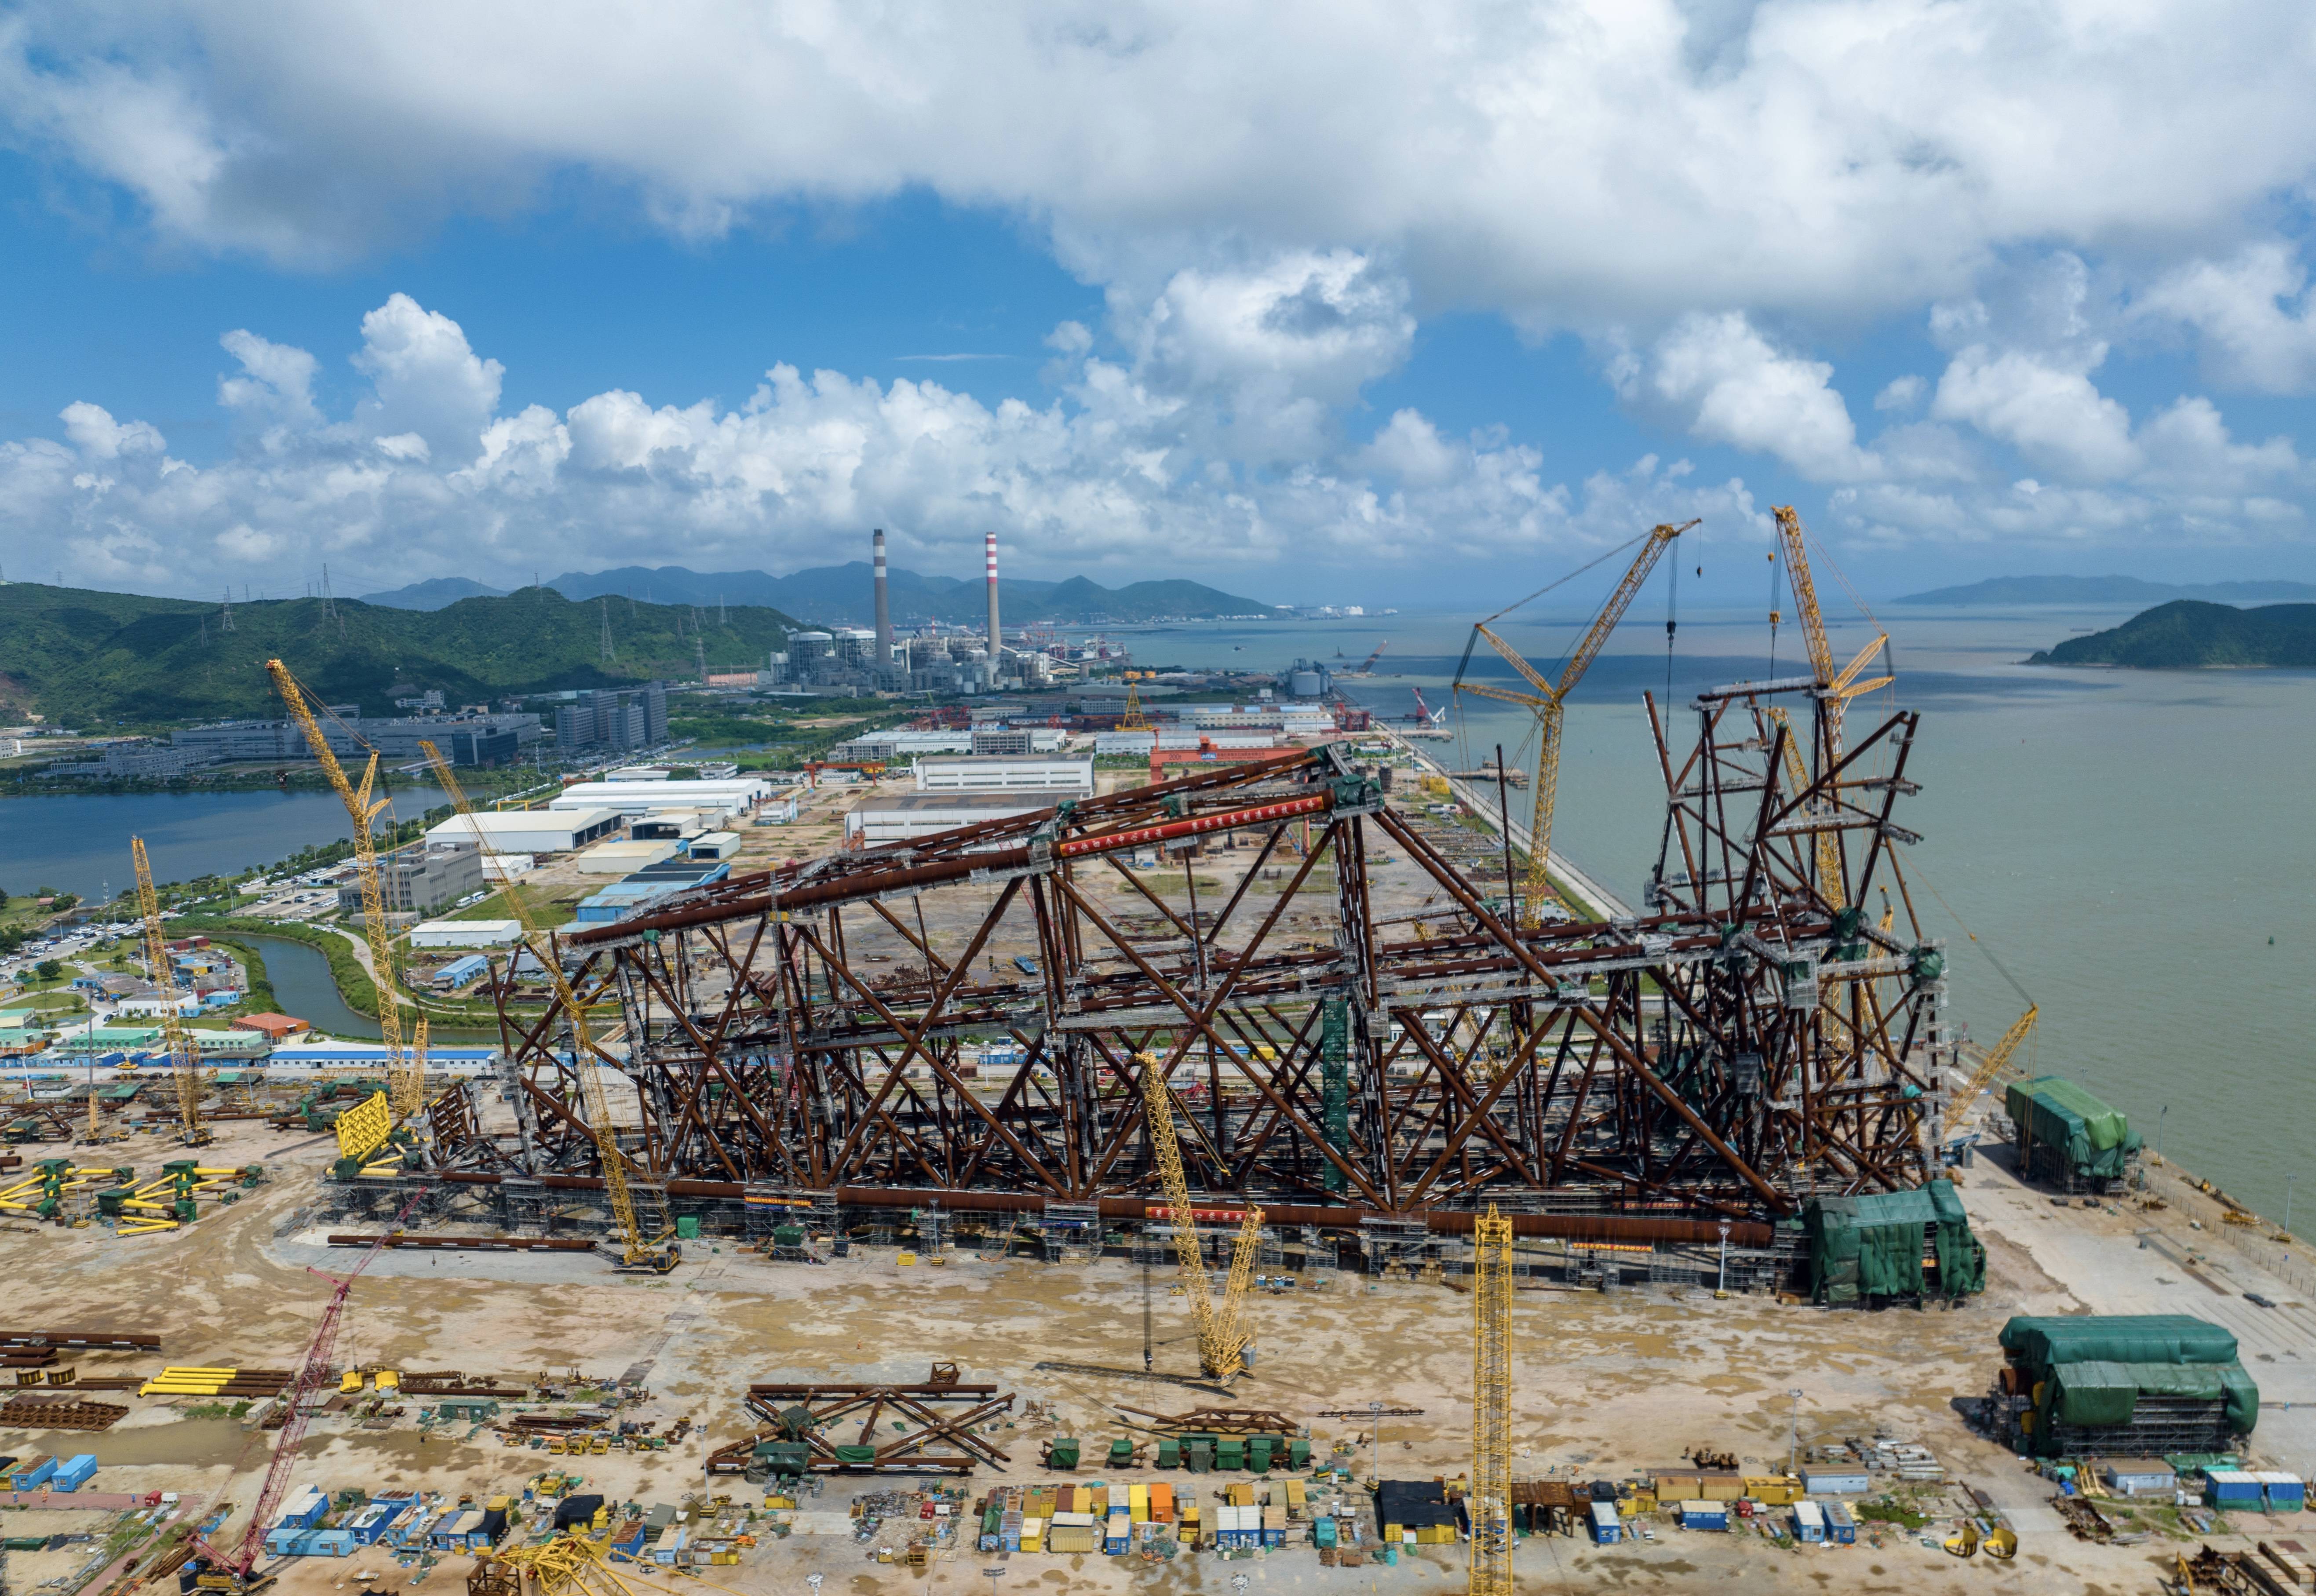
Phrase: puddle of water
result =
(193, 1443)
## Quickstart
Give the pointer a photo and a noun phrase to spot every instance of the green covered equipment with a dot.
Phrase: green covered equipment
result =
(2066, 1133)
(1863, 1247)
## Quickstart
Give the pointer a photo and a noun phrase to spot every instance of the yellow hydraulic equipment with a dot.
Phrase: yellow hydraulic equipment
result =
(1547, 701)
(406, 1091)
(2000, 1544)
(1223, 1335)
(637, 1253)
(1963, 1541)
(1491, 1502)
(184, 1059)
(581, 1560)
(1836, 687)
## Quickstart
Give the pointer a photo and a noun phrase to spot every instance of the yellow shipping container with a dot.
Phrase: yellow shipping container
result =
(1240, 1494)
(1775, 1490)
(1137, 1503)
(1296, 1495)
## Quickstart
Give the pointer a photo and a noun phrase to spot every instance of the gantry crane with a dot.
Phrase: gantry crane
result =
(184, 1059)
(1491, 1499)
(1835, 689)
(406, 1092)
(1223, 1338)
(636, 1253)
(1548, 701)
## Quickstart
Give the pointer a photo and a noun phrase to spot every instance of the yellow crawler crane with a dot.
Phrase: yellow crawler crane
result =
(1548, 701)
(637, 1253)
(404, 1090)
(185, 1058)
(1223, 1336)
(1491, 1502)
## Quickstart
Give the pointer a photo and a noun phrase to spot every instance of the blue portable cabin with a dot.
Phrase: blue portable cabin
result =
(73, 1472)
(310, 1542)
(2231, 1487)
(305, 1510)
(1712, 1516)
(1607, 1528)
(1809, 1521)
(2286, 1493)
(1840, 1527)
(377, 1518)
(1117, 1534)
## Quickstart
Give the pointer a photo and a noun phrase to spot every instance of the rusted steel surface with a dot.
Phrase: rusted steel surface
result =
(1752, 1039)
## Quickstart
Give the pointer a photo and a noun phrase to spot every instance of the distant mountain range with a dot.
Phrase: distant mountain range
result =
(83, 657)
(2189, 635)
(2108, 590)
(838, 595)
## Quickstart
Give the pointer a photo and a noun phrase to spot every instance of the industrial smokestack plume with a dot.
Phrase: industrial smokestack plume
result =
(884, 608)
(996, 637)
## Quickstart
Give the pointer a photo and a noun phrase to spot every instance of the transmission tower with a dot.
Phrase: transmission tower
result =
(226, 622)
(1491, 1500)
(605, 606)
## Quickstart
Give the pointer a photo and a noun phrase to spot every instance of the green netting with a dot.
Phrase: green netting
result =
(2053, 1111)
(1872, 1247)
(2098, 1392)
(2038, 1342)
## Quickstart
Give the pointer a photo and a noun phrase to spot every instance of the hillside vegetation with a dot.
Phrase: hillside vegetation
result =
(83, 658)
(2190, 635)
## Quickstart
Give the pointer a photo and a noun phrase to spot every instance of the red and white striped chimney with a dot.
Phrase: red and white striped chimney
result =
(996, 637)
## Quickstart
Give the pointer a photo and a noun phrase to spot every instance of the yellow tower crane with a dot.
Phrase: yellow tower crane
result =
(1547, 701)
(1223, 1336)
(184, 1059)
(1835, 687)
(1491, 1498)
(637, 1253)
(405, 1090)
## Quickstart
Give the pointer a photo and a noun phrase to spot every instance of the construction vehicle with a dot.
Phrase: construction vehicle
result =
(1223, 1336)
(236, 1571)
(633, 1252)
(185, 1058)
(1489, 1504)
(406, 1093)
(1547, 700)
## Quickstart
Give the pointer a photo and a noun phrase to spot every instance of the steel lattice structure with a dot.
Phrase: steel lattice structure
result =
(1741, 1044)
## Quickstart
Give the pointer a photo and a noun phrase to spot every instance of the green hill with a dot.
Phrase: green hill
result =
(83, 658)
(2190, 635)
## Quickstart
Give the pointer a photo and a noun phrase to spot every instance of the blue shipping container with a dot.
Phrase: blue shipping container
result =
(73, 1472)
(1607, 1530)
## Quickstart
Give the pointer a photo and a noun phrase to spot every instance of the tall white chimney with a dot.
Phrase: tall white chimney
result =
(996, 637)
(884, 608)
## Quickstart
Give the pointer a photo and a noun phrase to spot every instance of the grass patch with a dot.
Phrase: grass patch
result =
(1889, 1510)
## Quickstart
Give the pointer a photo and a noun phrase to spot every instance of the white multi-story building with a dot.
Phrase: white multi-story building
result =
(1066, 776)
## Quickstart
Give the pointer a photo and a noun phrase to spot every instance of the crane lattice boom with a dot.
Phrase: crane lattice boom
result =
(185, 1060)
(1548, 699)
(1491, 1502)
(1222, 1338)
(406, 1093)
(636, 1251)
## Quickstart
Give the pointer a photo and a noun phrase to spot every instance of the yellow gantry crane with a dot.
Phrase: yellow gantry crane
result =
(1491, 1498)
(184, 1059)
(405, 1090)
(1223, 1335)
(637, 1253)
(1547, 702)
(1835, 686)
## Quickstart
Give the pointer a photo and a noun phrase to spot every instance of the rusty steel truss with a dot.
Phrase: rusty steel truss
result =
(1753, 1037)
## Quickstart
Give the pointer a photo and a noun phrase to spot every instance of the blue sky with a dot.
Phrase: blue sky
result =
(1977, 293)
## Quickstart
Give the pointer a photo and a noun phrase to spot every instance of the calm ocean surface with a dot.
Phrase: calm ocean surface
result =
(2127, 843)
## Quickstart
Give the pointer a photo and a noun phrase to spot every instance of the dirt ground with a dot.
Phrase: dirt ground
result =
(1608, 1384)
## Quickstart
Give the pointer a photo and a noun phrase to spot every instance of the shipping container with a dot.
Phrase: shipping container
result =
(1809, 1521)
(1838, 1481)
(1840, 1527)
(1705, 1515)
(1607, 1528)
(2231, 1487)
(73, 1472)
(2286, 1493)
(1162, 1502)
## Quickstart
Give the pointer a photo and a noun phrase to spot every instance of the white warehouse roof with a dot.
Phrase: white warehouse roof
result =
(530, 831)
(639, 798)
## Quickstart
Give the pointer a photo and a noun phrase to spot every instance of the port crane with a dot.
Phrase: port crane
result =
(1547, 700)
(406, 1092)
(184, 1059)
(634, 1252)
(1222, 1337)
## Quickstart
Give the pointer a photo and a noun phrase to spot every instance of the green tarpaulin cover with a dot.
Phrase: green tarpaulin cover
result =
(2053, 1111)
(2040, 1342)
(2096, 1392)
(1872, 1247)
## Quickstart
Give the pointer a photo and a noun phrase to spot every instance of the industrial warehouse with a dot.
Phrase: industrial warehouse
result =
(1050, 1171)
